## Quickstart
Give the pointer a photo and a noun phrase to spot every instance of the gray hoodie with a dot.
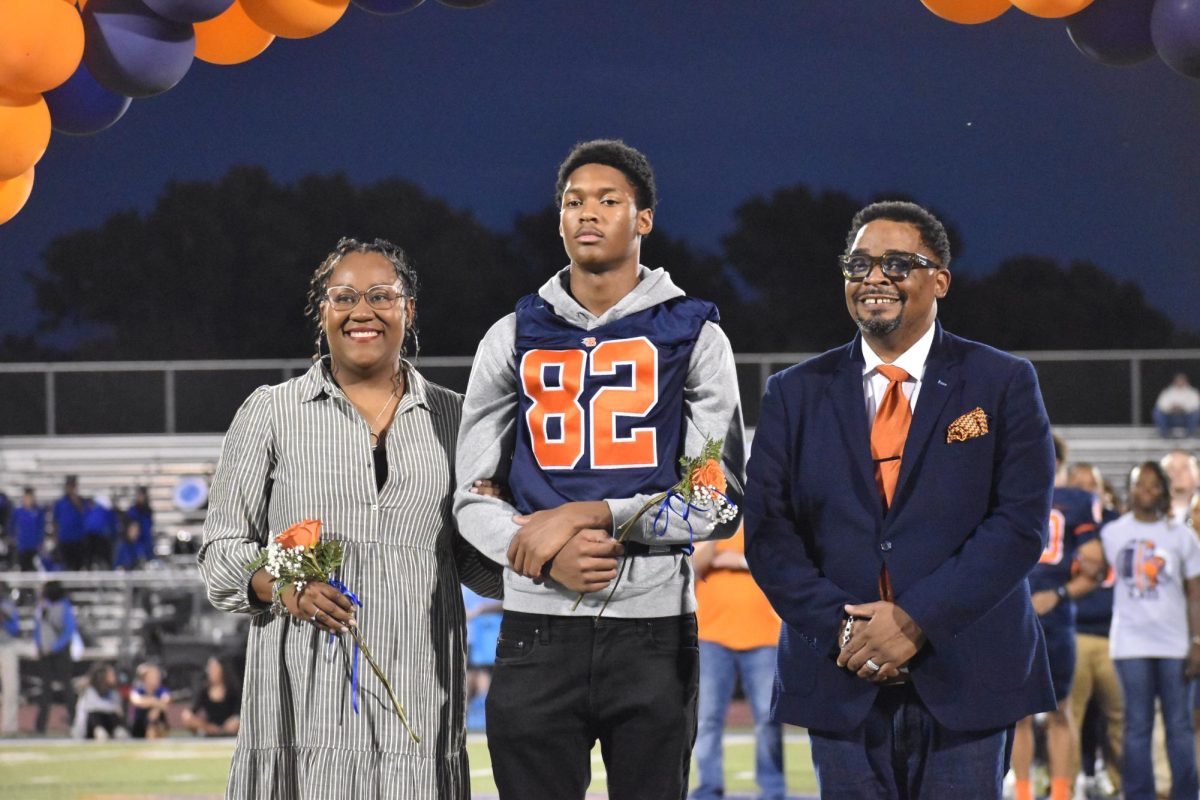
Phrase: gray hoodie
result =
(651, 585)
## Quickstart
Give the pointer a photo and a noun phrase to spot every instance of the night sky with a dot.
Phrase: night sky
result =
(1023, 143)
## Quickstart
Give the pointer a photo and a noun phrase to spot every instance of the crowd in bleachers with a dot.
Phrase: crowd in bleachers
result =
(76, 532)
(102, 695)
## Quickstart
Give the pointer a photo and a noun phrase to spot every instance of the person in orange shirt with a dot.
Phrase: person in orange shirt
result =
(739, 632)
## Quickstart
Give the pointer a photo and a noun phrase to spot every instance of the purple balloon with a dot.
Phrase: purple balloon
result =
(1113, 32)
(1175, 28)
(188, 11)
(81, 106)
(133, 51)
(387, 7)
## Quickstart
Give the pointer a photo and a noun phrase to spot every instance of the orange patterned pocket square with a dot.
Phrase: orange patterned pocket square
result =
(970, 425)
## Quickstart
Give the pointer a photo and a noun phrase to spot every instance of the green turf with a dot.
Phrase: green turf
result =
(196, 768)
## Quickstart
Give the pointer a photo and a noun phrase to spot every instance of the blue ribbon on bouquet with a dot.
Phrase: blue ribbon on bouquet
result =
(662, 517)
(341, 587)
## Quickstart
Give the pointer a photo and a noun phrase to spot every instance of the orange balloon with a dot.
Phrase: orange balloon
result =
(24, 133)
(41, 44)
(14, 192)
(1052, 9)
(295, 19)
(968, 12)
(230, 38)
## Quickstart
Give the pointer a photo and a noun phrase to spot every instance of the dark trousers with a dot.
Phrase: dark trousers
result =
(900, 752)
(99, 551)
(74, 555)
(107, 720)
(560, 684)
(55, 668)
(25, 560)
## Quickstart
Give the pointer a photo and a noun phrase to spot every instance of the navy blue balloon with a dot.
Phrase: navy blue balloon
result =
(189, 11)
(81, 106)
(1175, 28)
(387, 7)
(133, 51)
(1113, 32)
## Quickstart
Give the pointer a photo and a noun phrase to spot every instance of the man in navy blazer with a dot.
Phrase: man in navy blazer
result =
(909, 646)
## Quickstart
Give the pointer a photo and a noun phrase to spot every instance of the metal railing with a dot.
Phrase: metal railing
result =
(115, 610)
(52, 398)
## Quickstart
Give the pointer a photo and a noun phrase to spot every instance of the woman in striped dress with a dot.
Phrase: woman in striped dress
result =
(365, 444)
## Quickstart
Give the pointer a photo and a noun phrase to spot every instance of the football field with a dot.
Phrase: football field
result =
(182, 767)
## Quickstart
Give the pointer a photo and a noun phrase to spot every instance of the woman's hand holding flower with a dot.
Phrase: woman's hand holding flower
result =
(321, 604)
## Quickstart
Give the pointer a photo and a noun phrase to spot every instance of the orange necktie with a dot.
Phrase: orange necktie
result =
(892, 419)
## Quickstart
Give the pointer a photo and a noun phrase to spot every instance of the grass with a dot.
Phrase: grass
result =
(196, 768)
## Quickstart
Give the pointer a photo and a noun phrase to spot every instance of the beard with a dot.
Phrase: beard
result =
(878, 327)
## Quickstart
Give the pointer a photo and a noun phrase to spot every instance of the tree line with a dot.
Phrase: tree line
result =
(219, 269)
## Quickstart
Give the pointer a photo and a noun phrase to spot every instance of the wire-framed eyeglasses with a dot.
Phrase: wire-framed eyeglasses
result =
(380, 297)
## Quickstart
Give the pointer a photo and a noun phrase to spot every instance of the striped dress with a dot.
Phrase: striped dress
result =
(299, 450)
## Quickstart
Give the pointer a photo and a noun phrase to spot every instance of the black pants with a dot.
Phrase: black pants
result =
(25, 560)
(74, 554)
(101, 719)
(562, 683)
(55, 668)
(99, 551)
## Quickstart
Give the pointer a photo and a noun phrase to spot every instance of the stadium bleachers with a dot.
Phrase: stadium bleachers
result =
(1115, 449)
(112, 464)
(116, 464)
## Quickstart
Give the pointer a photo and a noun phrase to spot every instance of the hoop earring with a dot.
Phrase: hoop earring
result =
(411, 336)
(318, 355)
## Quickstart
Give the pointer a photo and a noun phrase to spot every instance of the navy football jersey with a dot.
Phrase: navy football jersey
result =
(1093, 611)
(600, 411)
(1074, 519)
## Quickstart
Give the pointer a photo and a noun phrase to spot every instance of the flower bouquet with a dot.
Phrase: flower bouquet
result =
(702, 488)
(298, 556)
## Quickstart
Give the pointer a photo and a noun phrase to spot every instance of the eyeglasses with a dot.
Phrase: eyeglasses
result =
(380, 298)
(895, 266)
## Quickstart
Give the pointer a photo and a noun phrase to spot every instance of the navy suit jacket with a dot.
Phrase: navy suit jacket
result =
(966, 525)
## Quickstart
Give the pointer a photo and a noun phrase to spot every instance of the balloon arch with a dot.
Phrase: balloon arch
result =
(74, 66)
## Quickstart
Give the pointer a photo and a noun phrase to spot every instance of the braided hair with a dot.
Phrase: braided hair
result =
(1164, 500)
(319, 283)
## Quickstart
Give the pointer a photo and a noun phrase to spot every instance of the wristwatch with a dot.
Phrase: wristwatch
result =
(1062, 593)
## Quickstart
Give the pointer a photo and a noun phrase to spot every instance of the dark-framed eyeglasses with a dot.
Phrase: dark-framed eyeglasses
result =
(895, 266)
(381, 297)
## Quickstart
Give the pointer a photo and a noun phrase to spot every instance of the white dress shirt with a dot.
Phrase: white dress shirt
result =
(911, 361)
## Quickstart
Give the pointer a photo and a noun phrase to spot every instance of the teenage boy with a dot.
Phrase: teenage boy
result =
(582, 402)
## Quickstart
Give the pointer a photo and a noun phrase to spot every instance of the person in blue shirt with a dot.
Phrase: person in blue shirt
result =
(69, 513)
(141, 512)
(100, 525)
(1071, 565)
(483, 629)
(29, 530)
(53, 628)
(129, 553)
(1097, 705)
(150, 700)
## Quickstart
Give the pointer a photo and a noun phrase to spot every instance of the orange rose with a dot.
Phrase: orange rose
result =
(306, 533)
(710, 474)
